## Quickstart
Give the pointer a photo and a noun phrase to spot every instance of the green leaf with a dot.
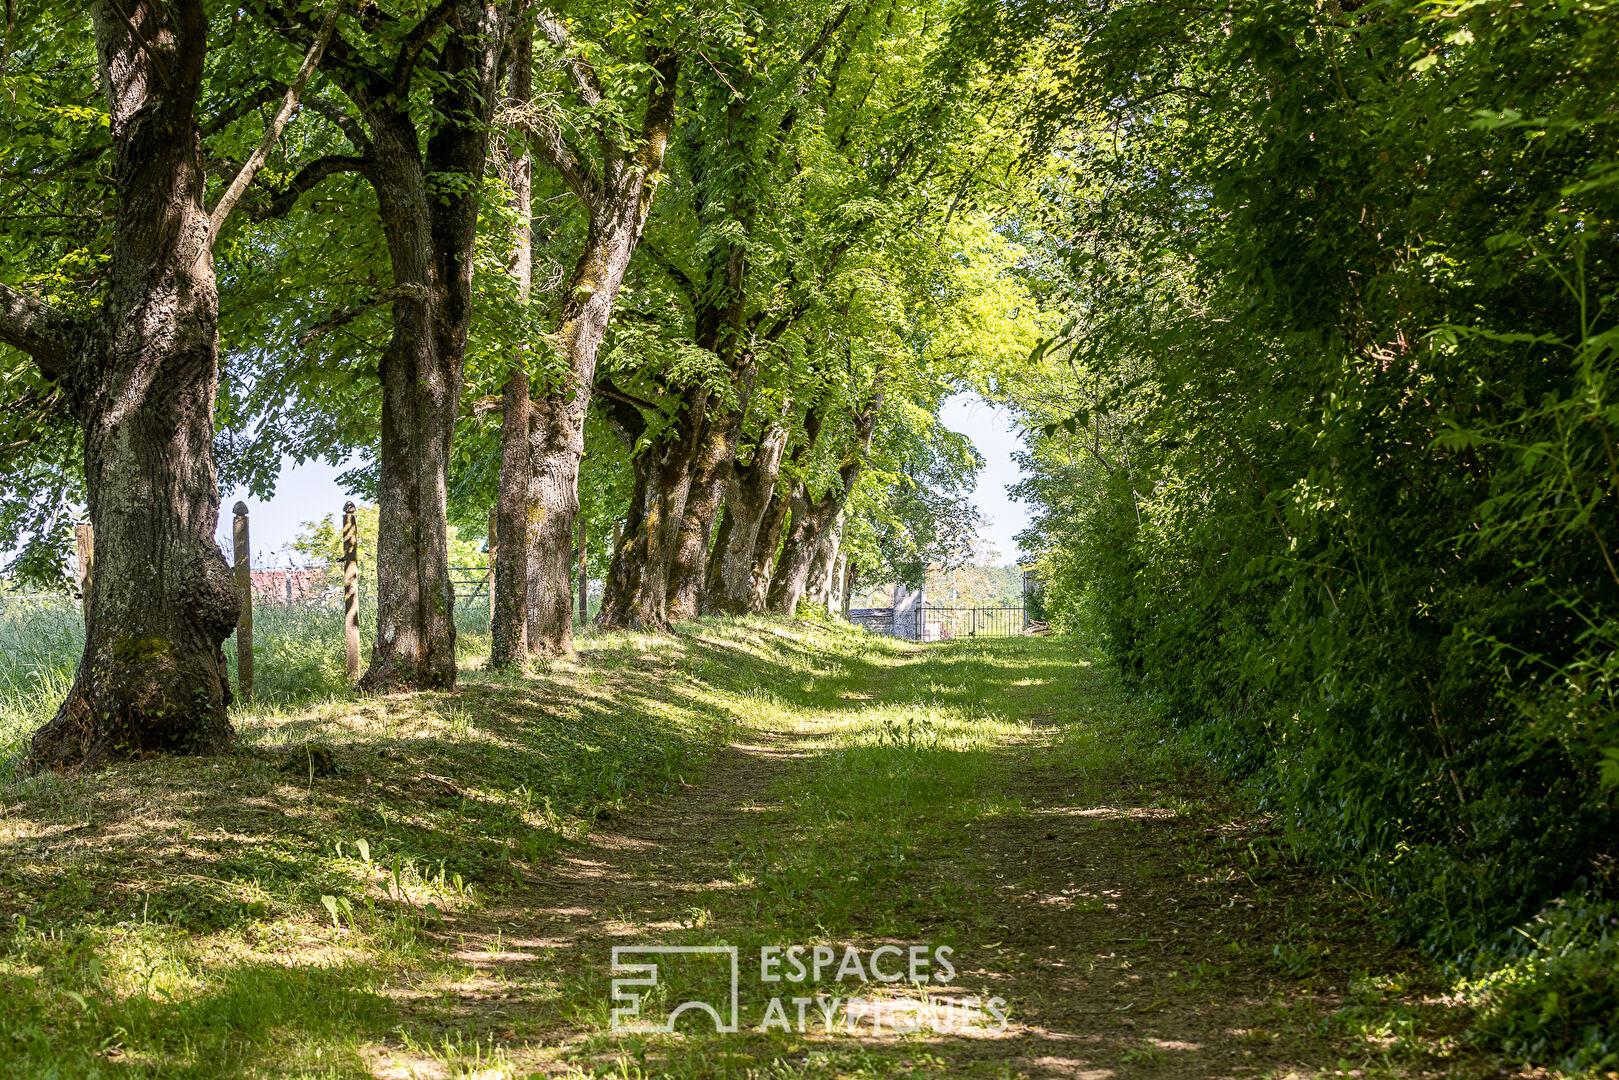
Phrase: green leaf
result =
(1608, 768)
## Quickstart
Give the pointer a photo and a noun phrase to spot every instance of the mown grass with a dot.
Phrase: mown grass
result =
(248, 915)
(925, 781)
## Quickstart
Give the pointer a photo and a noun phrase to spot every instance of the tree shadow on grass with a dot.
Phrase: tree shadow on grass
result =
(289, 1018)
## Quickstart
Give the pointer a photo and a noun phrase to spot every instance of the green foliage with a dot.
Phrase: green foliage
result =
(320, 543)
(1323, 450)
(1546, 993)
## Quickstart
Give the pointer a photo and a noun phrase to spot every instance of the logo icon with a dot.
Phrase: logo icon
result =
(627, 1017)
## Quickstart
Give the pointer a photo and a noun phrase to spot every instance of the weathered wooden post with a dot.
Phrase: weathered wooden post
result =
(491, 579)
(584, 580)
(351, 589)
(244, 592)
(85, 536)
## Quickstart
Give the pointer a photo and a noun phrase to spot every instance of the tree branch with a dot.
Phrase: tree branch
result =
(580, 73)
(416, 42)
(307, 179)
(338, 118)
(39, 330)
(660, 110)
(606, 389)
(289, 102)
(344, 316)
(241, 107)
(549, 144)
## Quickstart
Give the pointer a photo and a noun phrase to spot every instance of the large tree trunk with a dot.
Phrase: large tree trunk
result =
(509, 628)
(713, 584)
(556, 446)
(796, 550)
(630, 542)
(824, 566)
(618, 202)
(791, 579)
(635, 593)
(688, 562)
(747, 498)
(430, 243)
(813, 518)
(415, 643)
(712, 471)
(141, 380)
(152, 676)
(764, 552)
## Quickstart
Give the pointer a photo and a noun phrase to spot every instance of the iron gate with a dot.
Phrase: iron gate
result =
(944, 623)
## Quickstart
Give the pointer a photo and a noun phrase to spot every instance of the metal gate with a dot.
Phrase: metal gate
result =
(944, 623)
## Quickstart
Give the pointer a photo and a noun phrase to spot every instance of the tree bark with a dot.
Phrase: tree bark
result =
(635, 594)
(140, 378)
(712, 473)
(764, 552)
(618, 201)
(141, 382)
(788, 581)
(812, 518)
(824, 566)
(713, 584)
(747, 498)
(509, 630)
(769, 583)
(430, 240)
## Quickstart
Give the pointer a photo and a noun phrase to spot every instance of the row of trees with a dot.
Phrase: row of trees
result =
(1325, 454)
(708, 272)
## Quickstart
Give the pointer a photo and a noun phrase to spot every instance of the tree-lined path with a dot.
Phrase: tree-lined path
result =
(985, 795)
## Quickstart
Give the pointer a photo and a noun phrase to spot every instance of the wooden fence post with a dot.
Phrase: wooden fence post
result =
(85, 536)
(584, 580)
(244, 592)
(351, 590)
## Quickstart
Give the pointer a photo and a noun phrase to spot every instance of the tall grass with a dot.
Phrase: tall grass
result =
(298, 657)
(40, 641)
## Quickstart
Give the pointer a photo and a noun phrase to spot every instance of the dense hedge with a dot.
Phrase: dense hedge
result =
(1333, 469)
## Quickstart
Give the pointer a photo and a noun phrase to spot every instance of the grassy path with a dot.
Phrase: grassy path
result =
(442, 895)
(986, 797)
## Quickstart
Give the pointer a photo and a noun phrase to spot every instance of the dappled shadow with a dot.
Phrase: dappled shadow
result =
(518, 828)
(1065, 869)
(461, 798)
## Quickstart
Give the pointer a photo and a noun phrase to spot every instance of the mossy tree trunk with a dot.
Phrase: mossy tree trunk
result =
(509, 625)
(635, 592)
(747, 499)
(813, 518)
(430, 236)
(616, 193)
(141, 377)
